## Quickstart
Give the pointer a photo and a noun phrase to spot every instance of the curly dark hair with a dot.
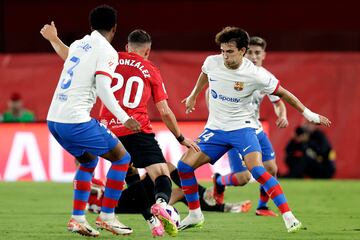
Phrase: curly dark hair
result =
(233, 34)
(103, 17)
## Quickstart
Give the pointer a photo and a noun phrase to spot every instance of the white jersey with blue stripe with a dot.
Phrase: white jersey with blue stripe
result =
(75, 93)
(231, 93)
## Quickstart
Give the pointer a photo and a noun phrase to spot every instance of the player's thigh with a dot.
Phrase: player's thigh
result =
(247, 143)
(91, 137)
(213, 144)
(143, 149)
(115, 153)
(252, 160)
(195, 159)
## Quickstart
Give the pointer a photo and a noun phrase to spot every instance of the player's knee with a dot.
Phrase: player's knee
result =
(272, 169)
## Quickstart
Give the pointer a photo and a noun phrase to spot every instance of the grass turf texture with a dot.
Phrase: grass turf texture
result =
(327, 209)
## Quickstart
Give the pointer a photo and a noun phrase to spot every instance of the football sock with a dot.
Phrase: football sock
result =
(162, 188)
(82, 186)
(272, 187)
(175, 177)
(264, 198)
(195, 212)
(189, 185)
(227, 180)
(115, 183)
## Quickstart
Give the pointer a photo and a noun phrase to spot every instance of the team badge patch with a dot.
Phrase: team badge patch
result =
(239, 86)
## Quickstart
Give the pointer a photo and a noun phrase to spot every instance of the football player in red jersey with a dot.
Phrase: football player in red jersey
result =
(136, 80)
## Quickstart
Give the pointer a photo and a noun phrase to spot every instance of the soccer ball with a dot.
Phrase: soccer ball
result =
(174, 214)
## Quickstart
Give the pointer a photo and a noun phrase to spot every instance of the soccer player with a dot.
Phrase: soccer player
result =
(136, 79)
(239, 175)
(87, 73)
(232, 123)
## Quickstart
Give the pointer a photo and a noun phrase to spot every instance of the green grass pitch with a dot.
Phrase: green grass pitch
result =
(327, 209)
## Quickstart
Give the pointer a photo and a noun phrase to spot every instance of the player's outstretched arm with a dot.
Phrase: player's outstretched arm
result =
(49, 32)
(190, 101)
(295, 102)
(280, 110)
(169, 119)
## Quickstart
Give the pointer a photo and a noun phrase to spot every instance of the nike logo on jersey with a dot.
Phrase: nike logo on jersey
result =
(246, 148)
(212, 80)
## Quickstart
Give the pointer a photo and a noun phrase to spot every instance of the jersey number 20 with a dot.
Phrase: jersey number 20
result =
(128, 88)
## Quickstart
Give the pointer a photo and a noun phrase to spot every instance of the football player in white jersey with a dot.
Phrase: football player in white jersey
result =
(239, 175)
(232, 122)
(87, 73)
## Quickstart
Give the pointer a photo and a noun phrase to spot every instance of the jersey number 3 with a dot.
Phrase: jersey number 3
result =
(128, 88)
(66, 82)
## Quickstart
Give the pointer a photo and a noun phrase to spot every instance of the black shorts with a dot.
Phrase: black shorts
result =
(143, 149)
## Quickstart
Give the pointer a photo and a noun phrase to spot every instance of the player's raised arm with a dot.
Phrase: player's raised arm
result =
(49, 32)
(295, 102)
(190, 101)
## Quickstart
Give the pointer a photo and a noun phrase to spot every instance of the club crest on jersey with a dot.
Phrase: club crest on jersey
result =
(239, 86)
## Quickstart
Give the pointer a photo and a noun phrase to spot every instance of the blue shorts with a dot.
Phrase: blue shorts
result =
(78, 138)
(215, 143)
(267, 149)
(235, 159)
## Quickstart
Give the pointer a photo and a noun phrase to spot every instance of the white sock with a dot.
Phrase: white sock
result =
(288, 216)
(195, 212)
(153, 222)
(79, 218)
(107, 216)
(162, 202)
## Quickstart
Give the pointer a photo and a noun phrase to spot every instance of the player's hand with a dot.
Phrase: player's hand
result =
(282, 122)
(49, 31)
(133, 125)
(190, 144)
(324, 121)
(189, 104)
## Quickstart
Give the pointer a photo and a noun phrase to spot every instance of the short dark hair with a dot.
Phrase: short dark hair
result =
(103, 17)
(233, 34)
(139, 36)
(258, 41)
